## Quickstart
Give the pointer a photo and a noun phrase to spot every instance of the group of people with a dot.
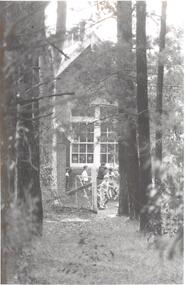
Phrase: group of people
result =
(106, 186)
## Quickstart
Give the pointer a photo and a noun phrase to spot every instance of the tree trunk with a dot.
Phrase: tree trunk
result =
(61, 21)
(4, 159)
(128, 156)
(28, 164)
(123, 209)
(38, 211)
(133, 172)
(159, 108)
(160, 75)
(143, 112)
(57, 138)
(28, 177)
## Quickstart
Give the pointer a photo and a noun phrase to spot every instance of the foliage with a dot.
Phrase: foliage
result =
(22, 224)
(171, 170)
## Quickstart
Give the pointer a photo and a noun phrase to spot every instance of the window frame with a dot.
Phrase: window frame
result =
(79, 142)
(114, 143)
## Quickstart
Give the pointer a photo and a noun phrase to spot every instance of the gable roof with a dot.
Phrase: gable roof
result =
(75, 50)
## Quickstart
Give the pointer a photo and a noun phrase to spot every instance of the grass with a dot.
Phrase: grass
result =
(84, 248)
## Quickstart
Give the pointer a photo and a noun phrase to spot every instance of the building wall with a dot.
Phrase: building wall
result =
(71, 80)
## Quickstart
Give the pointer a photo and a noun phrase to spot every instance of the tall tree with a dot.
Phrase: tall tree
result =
(160, 76)
(128, 156)
(21, 50)
(28, 164)
(159, 111)
(124, 32)
(20, 32)
(143, 112)
(4, 153)
(58, 172)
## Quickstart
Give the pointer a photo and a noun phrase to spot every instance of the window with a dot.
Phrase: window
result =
(108, 145)
(83, 146)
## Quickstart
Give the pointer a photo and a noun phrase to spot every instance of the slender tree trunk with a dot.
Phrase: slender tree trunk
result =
(133, 172)
(159, 108)
(160, 75)
(38, 211)
(59, 176)
(143, 112)
(128, 156)
(61, 21)
(124, 36)
(123, 209)
(4, 158)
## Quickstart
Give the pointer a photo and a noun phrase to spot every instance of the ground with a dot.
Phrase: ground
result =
(79, 247)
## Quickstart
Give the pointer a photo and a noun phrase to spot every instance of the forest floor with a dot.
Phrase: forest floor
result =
(79, 247)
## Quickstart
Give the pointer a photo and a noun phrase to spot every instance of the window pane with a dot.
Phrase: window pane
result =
(90, 137)
(90, 158)
(111, 148)
(103, 137)
(82, 148)
(103, 148)
(75, 158)
(90, 148)
(103, 128)
(83, 137)
(75, 148)
(111, 137)
(103, 158)
(90, 128)
(82, 158)
(110, 158)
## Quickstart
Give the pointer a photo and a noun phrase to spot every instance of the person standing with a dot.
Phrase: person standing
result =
(101, 173)
(103, 192)
(68, 172)
(84, 175)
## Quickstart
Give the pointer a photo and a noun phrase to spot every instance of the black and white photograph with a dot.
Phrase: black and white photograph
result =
(92, 142)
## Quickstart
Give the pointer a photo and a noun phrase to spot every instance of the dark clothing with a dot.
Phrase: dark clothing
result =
(101, 172)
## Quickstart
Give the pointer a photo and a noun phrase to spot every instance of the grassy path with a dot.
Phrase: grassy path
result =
(98, 249)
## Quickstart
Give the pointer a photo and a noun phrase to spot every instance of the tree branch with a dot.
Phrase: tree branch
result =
(38, 117)
(20, 101)
(58, 49)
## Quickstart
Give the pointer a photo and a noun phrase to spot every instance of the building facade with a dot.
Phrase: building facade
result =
(94, 139)
(89, 131)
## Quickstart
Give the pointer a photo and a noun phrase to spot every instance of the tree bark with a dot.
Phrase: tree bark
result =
(159, 110)
(58, 137)
(143, 113)
(28, 164)
(160, 76)
(4, 159)
(128, 155)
